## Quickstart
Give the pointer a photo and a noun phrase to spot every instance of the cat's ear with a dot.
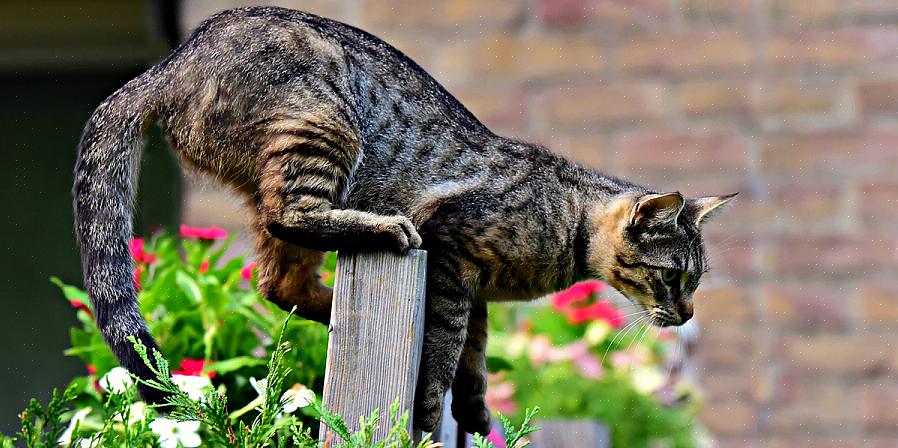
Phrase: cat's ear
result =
(707, 207)
(656, 209)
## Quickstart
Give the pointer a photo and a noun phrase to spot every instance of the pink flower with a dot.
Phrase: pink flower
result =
(589, 366)
(325, 276)
(203, 233)
(577, 293)
(500, 394)
(204, 266)
(193, 367)
(137, 271)
(629, 358)
(81, 306)
(137, 252)
(540, 350)
(601, 310)
(247, 271)
(496, 438)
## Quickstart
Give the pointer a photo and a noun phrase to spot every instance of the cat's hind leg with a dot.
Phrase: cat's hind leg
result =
(469, 386)
(305, 170)
(289, 276)
(448, 306)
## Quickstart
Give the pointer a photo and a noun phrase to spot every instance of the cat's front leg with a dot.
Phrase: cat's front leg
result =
(469, 386)
(446, 320)
(304, 173)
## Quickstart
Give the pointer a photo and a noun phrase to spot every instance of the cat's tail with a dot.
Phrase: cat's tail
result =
(105, 183)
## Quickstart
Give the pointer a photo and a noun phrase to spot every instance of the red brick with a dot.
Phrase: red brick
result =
(832, 256)
(809, 306)
(804, 13)
(725, 347)
(713, 13)
(879, 96)
(691, 52)
(880, 405)
(694, 150)
(732, 255)
(519, 58)
(842, 48)
(879, 303)
(730, 417)
(580, 106)
(713, 97)
(586, 149)
(860, 153)
(495, 107)
(878, 205)
(807, 208)
(724, 304)
(844, 354)
(816, 406)
(789, 96)
(447, 14)
(564, 12)
(642, 15)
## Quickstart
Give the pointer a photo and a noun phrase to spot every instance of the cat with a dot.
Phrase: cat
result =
(340, 142)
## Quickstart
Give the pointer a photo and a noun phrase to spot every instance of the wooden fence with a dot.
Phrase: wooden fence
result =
(376, 334)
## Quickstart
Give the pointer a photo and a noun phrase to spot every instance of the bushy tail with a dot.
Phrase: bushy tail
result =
(104, 190)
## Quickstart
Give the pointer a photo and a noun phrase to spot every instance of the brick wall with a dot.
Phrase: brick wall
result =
(791, 102)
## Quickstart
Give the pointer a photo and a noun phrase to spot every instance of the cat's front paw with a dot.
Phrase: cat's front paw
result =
(472, 416)
(401, 232)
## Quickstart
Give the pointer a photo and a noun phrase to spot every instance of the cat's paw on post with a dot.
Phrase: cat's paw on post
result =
(401, 231)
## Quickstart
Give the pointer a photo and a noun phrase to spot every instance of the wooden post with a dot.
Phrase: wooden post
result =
(376, 333)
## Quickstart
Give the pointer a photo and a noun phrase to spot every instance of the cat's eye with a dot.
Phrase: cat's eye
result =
(670, 276)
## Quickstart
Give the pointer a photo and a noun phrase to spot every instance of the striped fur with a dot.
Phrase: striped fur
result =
(339, 141)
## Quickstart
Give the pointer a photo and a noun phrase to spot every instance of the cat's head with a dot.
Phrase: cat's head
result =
(650, 248)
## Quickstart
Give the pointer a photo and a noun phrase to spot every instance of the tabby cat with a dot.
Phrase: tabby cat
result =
(340, 142)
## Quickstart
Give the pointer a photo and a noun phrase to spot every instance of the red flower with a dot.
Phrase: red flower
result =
(577, 293)
(203, 233)
(137, 271)
(193, 367)
(247, 271)
(601, 310)
(204, 266)
(137, 252)
(81, 306)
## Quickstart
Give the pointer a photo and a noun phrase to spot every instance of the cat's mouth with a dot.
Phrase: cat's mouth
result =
(663, 317)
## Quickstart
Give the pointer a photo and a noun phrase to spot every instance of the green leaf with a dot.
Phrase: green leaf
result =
(71, 292)
(189, 285)
(497, 364)
(230, 365)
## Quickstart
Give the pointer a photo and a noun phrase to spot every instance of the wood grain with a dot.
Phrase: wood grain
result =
(376, 332)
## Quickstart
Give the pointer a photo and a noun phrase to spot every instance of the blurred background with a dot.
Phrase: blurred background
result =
(793, 103)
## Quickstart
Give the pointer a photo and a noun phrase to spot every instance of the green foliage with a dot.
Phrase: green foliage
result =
(593, 368)
(514, 437)
(270, 428)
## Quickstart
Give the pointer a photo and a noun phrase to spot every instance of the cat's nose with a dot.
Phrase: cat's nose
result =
(684, 309)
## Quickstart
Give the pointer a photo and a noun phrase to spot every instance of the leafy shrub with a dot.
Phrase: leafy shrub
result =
(577, 359)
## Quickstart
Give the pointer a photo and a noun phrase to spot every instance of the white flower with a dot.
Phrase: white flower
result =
(66, 437)
(135, 413)
(647, 379)
(173, 432)
(193, 386)
(116, 380)
(597, 332)
(296, 397)
(259, 385)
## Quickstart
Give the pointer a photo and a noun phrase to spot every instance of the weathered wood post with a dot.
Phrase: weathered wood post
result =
(376, 333)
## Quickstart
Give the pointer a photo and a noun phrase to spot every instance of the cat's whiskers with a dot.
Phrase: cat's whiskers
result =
(621, 333)
(638, 343)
